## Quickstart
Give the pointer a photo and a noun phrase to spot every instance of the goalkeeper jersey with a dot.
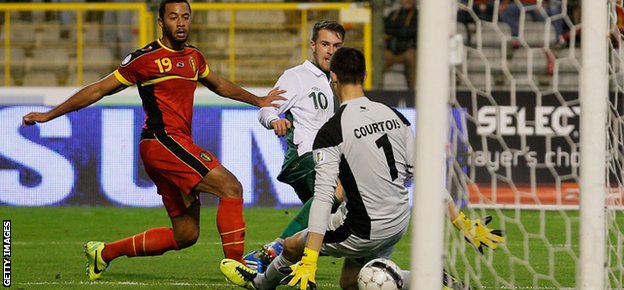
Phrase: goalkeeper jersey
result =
(369, 147)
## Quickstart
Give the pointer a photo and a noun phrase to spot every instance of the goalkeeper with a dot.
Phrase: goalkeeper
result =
(368, 146)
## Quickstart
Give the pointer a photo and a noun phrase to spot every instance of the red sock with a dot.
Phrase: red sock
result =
(231, 226)
(152, 242)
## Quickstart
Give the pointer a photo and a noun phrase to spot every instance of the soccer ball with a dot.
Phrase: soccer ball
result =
(380, 274)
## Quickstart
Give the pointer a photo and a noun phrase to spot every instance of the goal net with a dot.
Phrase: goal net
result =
(514, 150)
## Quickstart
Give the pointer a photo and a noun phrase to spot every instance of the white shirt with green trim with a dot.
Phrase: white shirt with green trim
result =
(309, 103)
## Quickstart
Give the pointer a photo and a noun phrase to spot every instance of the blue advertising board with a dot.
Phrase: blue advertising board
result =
(90, 157)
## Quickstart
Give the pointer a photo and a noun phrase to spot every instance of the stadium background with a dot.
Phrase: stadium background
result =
(72, 178)
(50, 49)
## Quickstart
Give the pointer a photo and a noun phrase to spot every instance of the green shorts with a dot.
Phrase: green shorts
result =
(300, 175)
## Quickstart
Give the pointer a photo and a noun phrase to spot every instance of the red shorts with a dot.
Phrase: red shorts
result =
(176, 165)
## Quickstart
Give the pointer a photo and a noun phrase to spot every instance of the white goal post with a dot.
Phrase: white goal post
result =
(594, 96)
(434, 28)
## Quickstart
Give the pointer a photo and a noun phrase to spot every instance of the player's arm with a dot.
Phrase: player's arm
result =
(84, 97)
(269, 117)
(325, 189)
(339, 194)
(280, 126)
(327, 163)
(225, 88)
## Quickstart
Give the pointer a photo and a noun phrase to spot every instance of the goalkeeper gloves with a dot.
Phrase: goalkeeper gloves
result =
(304, 272)
(477, 233)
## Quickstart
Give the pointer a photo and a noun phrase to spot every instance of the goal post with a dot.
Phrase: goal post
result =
(593, 97)
(432, 94)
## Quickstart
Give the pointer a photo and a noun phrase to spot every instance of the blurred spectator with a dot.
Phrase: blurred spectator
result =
(619, 11)
(484, 9)
(400, 28)
(67, 19)
(617, 28)
(574, 13)
(510, 13)
(119, 29)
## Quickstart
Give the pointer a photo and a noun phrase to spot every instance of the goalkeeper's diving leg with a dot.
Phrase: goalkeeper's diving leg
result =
(260, 259)
(249, 278)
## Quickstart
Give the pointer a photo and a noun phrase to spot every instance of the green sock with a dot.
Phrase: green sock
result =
(300, 221)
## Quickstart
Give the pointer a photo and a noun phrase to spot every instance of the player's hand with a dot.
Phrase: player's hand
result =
(280, 126)
(477, 233)
(304, 272)
(274, 95)
(34, 118)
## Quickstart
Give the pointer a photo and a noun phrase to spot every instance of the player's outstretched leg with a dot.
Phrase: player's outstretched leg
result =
(254, 260)
(299, 222)
(152, 242)
(259, 260)
(238, 273)
(95, 264)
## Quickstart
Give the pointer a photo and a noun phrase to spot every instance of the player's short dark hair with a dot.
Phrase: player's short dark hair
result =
(349, 65)
(327, 25)
(163, 3)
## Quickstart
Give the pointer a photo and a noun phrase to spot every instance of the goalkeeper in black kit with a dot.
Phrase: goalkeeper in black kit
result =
(369, 147)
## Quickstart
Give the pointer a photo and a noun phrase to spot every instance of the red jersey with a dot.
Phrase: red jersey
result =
(166, 80)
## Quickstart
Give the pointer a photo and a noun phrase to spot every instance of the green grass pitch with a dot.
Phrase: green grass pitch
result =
(47, 249)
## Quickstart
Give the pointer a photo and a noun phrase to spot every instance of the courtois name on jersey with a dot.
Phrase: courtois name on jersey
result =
(376, 127)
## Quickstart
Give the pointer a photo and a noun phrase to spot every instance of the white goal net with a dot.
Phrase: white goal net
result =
(514, 150)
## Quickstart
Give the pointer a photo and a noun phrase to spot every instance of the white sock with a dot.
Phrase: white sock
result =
(272, 276)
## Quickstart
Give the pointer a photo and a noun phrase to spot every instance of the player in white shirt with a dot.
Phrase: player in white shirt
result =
(368, 146)
(308, 105)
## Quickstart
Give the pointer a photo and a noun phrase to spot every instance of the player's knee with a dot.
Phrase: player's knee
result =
(187, 239)
(233, 189)
(186, 242)
(292, 249)
(288, 250)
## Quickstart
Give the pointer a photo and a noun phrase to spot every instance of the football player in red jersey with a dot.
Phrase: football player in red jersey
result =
(166, 73)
